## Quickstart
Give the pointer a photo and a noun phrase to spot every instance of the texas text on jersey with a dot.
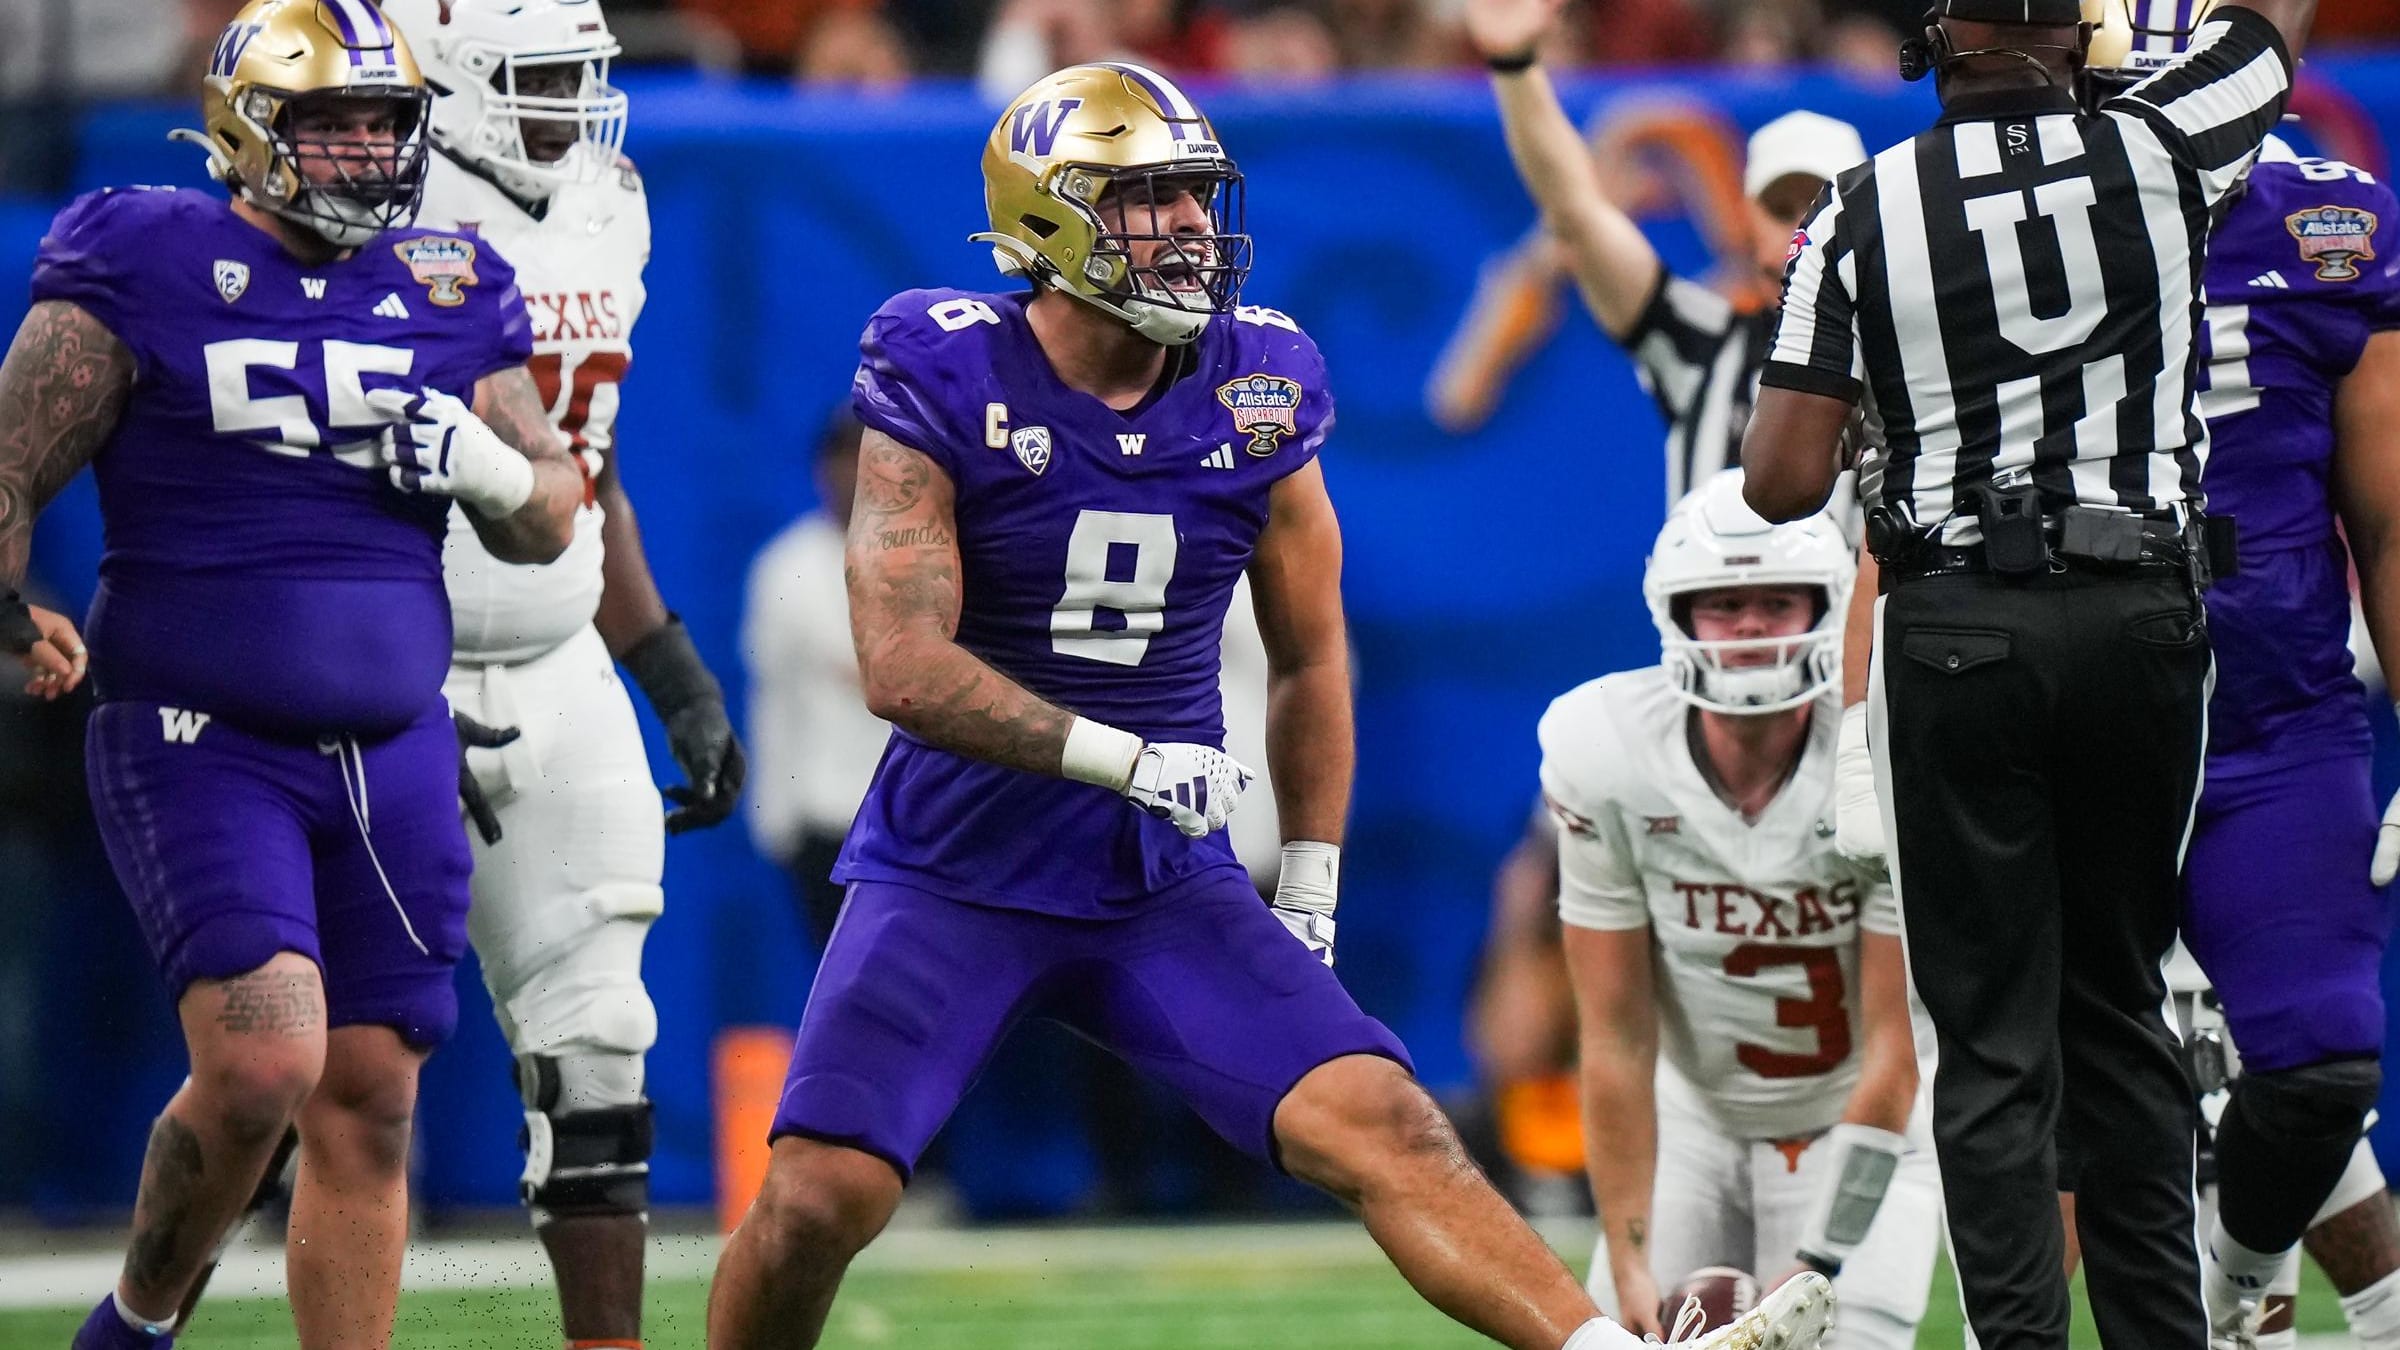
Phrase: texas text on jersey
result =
(1104, 547)
(579, 264)
(1756, 924)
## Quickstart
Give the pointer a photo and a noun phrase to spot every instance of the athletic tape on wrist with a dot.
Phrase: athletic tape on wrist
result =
(1099, 754)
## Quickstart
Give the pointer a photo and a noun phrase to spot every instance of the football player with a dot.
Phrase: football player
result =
(1057, 493)
(2285, 906)
(271, 763)
(1749, 1079)
(525, 130)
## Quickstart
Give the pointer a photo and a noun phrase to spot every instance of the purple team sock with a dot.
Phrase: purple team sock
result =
(105, 1329)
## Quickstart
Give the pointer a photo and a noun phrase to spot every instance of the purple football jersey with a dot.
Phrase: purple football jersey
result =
(258, 564)
(1098, 549)
(2300, 273)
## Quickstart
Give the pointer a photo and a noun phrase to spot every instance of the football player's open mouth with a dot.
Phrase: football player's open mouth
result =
(547, 140)
(1178, 275)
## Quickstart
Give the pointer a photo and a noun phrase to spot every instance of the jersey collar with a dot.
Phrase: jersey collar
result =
(1994, 104)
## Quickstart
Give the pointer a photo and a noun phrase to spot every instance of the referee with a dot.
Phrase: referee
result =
(2011, 298)
(1697, 354)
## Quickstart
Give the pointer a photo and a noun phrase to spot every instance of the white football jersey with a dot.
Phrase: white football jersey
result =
(580, 268)
(1755, 926)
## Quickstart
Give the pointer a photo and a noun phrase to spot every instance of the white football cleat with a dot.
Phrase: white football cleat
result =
(1794, 1316)
(2237, 1330)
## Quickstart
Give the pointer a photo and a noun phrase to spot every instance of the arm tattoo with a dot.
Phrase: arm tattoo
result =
(62, 388)
(171, 1181)
(537, 531)
(272, 1003)
(905, 589)
(1637, 1234)
(511, 405)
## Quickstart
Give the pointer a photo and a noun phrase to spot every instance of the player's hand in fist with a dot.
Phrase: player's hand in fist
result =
(438, 445)
(691, 703)
(1503, 30)
(1305, 891)
(45, 643)
(1194, 787)
(1857, 814)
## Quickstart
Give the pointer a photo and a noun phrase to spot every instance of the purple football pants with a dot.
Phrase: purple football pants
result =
(233, 847)
(1205, 991)
(2278, 911)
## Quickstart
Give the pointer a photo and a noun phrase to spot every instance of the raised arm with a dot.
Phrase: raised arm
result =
(539, 530)
(1613, 263)
(903, 573)
(1296, 587)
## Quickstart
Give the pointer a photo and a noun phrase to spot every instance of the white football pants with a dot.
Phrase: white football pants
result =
(564, 901)
(1720, 1201)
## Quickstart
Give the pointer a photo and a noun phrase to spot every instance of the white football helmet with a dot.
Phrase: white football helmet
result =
(1713, 540)
(485, 61)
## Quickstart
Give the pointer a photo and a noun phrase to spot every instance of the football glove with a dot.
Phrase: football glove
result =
(438, 445)
(1857, 815)
(474, 735)
(692, 704)
(1194, 787)
(1305, 892)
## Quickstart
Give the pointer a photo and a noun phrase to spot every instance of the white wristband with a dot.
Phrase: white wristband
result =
(1099, 754)
(1864, 1159)
(1311, 875)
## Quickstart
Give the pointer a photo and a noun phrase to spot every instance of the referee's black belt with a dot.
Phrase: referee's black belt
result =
(2161, 547)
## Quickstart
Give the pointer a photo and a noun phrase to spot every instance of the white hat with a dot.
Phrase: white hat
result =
(1801, 142)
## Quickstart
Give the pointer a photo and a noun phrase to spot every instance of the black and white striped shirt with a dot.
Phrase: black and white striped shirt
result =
(2015, 292)
(1699, 357)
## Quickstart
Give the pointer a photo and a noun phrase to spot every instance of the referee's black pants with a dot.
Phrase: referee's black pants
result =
(2038, 748)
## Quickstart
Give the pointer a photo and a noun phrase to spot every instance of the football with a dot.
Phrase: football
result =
(1724, 1294)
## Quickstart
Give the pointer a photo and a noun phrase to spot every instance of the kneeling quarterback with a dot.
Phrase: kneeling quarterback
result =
(1058, 490)
(1749, 1080)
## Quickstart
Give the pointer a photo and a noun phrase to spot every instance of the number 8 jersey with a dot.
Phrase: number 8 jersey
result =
(1755, 926)
(1098, 550)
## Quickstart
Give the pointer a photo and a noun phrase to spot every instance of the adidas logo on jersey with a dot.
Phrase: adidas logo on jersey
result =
(2272, 281)
(389, 307)
(1220, 458)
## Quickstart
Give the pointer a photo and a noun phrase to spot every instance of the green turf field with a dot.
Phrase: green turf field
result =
(1183, 1299)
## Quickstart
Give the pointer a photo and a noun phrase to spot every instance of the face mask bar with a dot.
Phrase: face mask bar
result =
(1805, 666)
(596, 111)
(375, 187)
(1219, 259)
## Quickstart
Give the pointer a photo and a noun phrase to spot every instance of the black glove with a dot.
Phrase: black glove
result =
(18, 632)
(475, 735)
(690, 701)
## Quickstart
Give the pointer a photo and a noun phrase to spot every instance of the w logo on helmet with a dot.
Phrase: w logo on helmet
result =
(1035, 128)
(230, 46)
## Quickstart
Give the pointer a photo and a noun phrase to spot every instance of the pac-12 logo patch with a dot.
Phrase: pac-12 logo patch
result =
(233, 278)
(1266, 407)
(1032, 445)
(442, 265)
(2335, 238)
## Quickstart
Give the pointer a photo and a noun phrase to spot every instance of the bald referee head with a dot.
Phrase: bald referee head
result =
(2006, 305)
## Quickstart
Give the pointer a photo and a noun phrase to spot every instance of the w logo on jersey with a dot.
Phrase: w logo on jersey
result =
(230, 45)
(181, 727)
(1035, 127)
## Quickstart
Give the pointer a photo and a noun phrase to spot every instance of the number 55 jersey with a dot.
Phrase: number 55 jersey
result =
(1098, 550)
(1755, 925)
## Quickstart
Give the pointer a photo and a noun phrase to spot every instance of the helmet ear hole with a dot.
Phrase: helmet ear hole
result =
(1038, 226)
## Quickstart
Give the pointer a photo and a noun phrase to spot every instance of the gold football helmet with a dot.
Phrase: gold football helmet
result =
(1117, 138)
(2135, 39)
(283, 63)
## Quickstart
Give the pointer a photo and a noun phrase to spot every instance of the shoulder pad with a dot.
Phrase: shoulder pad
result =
(1271, 343)
(916, 361)
(1585, 751)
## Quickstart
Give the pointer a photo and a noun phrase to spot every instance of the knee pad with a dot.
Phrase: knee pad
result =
(587, 1137)
(2313, 1102)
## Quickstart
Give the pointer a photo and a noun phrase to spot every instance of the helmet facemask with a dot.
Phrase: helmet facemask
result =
(1711, 674)
(373, 188)
(549, 119)
(1189, 276)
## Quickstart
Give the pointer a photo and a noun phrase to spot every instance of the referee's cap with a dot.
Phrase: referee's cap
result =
(1800, 143)
(2045, 13)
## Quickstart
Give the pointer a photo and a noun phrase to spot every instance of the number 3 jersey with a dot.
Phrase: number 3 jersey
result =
(2302, 271)
(579, 265)
(258, 563)
(1754, 927)
(1098, 550)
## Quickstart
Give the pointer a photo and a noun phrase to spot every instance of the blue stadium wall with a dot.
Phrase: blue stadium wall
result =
(1486, 573)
